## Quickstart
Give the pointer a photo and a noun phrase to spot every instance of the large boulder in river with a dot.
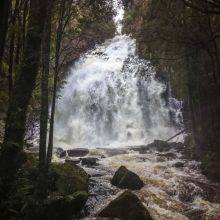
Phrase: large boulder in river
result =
(126, 207)
(126, 179)
(78, 152)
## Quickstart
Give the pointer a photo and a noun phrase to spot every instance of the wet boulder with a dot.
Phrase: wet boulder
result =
(60, 152)
(115, 151)
(68, 178)
(65, 207)
(179, 164)
(89, 161)
(72, 161)
(126, 207)
(78, 152)
(168, 155)
(160, 159)
(126, 179)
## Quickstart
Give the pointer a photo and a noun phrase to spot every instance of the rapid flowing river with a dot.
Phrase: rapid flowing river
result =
(112, 99)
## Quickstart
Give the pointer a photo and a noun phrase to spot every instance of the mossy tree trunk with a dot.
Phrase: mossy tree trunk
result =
(12, 155)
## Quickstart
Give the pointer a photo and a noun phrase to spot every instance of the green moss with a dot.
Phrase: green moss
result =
(69, 178)
(67, 193)
(64, 207)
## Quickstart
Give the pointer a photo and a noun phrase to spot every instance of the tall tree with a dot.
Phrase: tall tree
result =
(12, 155)
(59, 35)
(5, 6)
(13, 19)
(42, 190)
(44, 85)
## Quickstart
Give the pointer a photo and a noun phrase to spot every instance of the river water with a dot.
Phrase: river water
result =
(113, 99)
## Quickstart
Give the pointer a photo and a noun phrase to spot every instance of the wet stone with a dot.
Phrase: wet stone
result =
(168, 155)
(178, 165)
(114, 152)
(60, 152)
(126, 179)
(78, 152)
(89, 161)
(126, 207)
(72, 161)
(160, 159)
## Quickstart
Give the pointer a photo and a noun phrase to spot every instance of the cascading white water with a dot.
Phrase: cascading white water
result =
(112, 98)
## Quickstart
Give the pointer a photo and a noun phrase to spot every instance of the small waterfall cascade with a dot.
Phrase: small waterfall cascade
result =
(112, 98)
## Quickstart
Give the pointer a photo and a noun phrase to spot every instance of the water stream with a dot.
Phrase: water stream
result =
(113, 99)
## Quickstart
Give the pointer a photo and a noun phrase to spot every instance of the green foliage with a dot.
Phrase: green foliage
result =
(67, 190)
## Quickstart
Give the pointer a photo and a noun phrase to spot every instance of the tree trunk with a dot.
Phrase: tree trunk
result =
(5, 6)
(11, 49)
(215, 46)
(24, 20)
(42, 191)
(12, 155)
(11, 64)
(56, 72)
(191, 83)
(44, 86)
(51, 131)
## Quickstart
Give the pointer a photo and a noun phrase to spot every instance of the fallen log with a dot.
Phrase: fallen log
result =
(179, 133)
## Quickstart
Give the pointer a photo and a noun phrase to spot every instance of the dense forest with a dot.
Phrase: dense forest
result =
(107, 106)
(181, 38)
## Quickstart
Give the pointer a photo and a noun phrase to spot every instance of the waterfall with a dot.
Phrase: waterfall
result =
(112, 98)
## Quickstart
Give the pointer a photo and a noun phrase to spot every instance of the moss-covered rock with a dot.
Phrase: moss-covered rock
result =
(126, 179)
(68, 178)
(67, 193)
(64, 207)
(126, 207)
